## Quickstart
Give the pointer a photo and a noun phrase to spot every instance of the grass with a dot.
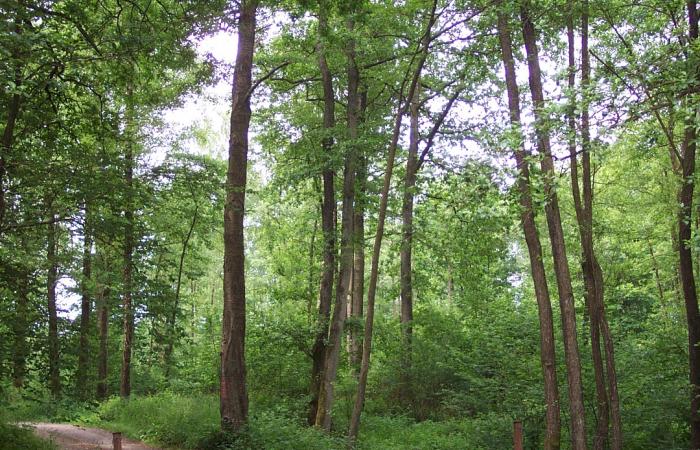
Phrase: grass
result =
(18, 438)
(192, 422)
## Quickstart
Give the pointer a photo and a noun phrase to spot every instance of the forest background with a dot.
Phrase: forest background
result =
(511, 181)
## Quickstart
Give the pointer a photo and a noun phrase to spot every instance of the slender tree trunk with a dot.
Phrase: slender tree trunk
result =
(103, 317)
(176, 303)
(233, 391)
(556, 236)
(318, 351)
(657, 275)
(85, 310)
(402, 108)
(405, 256)
(127, 288)
(8, 133)
(585, 231)
(7, 138)
(685, 199)
(311, 286)
(358, 270)
(610, 412)
(20, 327)
(527, 220)
(51, 280)
(343, 291)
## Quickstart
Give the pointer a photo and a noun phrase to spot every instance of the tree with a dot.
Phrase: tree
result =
(233, 392)
(328, 214)
(532, 239)
(411, 79)
(343, 287)
(608, 404)
(556, 236)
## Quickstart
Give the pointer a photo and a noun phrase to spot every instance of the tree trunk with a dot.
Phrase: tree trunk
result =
(103, 317)
(8, 133)
(685, 199)
(233, 391)
(527, 220)
(585, 232)
(358, 270)
(609, 405)
(51, 280)
(318, 351)
(176, 303)
(402, 108)
(128, 324)
(556, 236)
(405, 256)
(343, 291)
(7, 138)
(85, 310)
(20, 327)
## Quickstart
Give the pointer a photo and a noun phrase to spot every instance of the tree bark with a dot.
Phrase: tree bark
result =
(358, 270)
(8, 133)
(600, 437)
(103, 317)
(85, 310)
(128, 250)
(51, 280)
(233, 391)
(609, 405)
(318, 351)
(343, 290)
(20, 327)
(527, 220)
(556, 236)
(402, 108)
(685, 199)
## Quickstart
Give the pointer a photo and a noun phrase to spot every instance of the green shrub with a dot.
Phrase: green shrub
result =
(166, 419)
(20, 438)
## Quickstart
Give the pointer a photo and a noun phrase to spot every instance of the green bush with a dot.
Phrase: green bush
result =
(166, 419)
(19, 438)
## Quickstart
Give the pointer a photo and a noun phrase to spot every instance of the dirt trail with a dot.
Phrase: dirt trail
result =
(71, 437)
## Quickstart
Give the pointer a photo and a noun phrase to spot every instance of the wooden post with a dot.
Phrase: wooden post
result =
(517, 435)
(117, 441)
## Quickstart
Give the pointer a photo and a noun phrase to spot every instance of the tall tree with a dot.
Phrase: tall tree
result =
(527, 221)
(403, 105)
(85, 309)
(328, 212)
(356, 306)
(608, 405)
(556, 235)
(233, 391)
(128, 249)
(51, 281)
(685, 199)
(343, 286)
(102, 302)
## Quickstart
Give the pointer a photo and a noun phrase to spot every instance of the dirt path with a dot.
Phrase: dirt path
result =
(71, 437)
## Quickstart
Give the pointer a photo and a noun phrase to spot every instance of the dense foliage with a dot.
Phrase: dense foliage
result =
(112, 217)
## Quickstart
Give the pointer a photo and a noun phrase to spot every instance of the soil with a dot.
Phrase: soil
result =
(72, 437)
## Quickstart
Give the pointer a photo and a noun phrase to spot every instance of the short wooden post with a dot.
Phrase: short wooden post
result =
(517, 435)
(117, 440)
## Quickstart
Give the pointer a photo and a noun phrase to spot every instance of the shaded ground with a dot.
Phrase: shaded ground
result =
(71, 437)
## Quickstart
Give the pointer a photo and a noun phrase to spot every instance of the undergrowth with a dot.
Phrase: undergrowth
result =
(192, 422)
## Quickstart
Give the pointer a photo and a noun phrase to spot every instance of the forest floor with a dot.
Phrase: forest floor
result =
(72, 437)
